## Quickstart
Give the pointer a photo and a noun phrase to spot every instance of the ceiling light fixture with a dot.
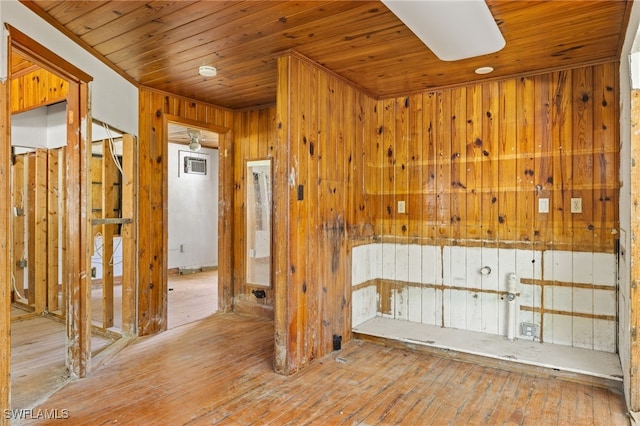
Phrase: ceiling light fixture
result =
(453, 30)
(194, 144)
(207, 71)
(484, 70)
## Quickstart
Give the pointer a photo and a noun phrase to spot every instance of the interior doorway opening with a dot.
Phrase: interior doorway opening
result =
(192, 242)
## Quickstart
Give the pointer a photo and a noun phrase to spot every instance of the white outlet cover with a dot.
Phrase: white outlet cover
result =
(576, 205)
(401, 207)
(543, 205)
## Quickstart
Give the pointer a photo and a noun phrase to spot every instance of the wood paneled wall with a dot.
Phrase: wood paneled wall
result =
(37, 88)
(320, 130)
(152, 200)
(472, 163)
(254, 138)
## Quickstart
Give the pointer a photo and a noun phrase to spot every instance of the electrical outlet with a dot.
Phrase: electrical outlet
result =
(401, 207)
(543, 205)
(528, 329)
(576, 205)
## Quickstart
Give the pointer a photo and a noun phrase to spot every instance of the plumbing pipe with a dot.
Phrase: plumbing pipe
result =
(512, 306)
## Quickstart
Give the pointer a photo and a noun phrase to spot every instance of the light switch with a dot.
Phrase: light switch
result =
(576, 205)
(401, 207)
(543, 205)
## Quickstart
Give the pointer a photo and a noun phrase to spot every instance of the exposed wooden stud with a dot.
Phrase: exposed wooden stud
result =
(109, 172)
(129, 253)
(19, 253)
(37, 242)
(64, 228)
(53, 222)
(31, 228)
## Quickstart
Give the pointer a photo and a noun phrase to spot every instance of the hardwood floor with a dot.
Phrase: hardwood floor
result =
(38, 349)
(38, 342)
(219, 371)
(192, 297)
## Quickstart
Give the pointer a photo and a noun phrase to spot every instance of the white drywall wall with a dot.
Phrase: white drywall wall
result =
(193, 212)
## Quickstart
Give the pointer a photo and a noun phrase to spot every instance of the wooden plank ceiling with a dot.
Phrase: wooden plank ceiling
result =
(161, 44)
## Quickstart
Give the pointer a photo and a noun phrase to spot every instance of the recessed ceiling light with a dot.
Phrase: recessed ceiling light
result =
(484, 70)
(207, 71)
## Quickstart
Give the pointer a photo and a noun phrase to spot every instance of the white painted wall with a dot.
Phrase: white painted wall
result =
(443, 286)
(113, 99)
(193, 212)
(43, 127)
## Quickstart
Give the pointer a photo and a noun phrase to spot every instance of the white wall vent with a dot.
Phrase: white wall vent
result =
(195, 165)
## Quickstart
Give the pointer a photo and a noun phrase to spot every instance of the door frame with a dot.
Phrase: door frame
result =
(222, 229)
(76, 219)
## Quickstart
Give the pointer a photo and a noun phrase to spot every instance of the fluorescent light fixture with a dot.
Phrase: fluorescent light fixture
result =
(207, 71)
(452, 29)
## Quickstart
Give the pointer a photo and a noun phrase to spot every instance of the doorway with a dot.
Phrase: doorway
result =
(46, 193)
(192, 243)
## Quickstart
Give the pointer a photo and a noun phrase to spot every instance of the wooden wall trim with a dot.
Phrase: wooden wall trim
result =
(634, 255)
(78, 40)
(46, 58)
(5, 250)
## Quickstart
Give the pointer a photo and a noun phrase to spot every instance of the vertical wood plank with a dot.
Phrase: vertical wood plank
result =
(282, 315)
(491, 159)
(19, 190)
(31, 228)
(39, 237)
(582, 157)
(506, 221)
(525, 158)
(53, 218)
(129, 246)
(634, 255)
(458, 184)
(109, 174)
(605, 161)
(474, 147)
(5, 247)
(562, 134)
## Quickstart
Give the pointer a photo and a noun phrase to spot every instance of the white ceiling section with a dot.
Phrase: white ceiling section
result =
(452, 29)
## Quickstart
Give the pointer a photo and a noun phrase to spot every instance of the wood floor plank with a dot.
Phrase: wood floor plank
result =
(219, 371)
